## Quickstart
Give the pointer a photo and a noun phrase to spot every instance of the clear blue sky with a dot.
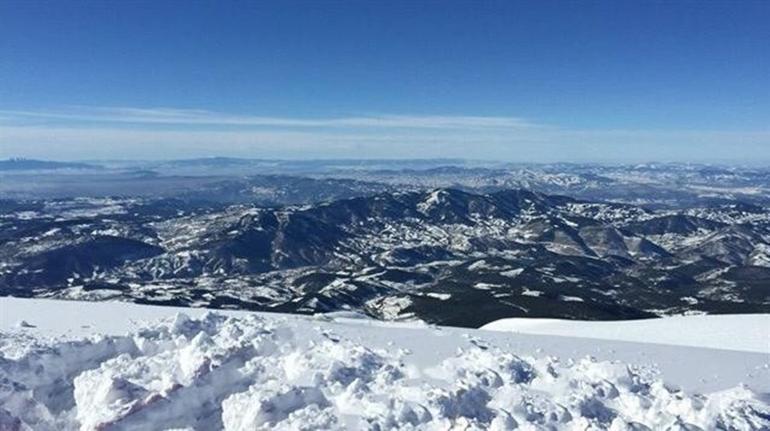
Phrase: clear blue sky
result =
(527, 80)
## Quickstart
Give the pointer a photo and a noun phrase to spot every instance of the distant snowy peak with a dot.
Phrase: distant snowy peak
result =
(434, 199)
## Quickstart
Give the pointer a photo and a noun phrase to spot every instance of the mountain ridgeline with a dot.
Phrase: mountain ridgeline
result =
(444, 255)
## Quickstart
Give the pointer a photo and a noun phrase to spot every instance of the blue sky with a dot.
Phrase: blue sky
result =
(521, 81)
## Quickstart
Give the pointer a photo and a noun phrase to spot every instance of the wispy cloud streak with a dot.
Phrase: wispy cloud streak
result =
(125, 132)
(192, 117)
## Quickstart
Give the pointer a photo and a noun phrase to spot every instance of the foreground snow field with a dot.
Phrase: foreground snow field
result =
(70, 365)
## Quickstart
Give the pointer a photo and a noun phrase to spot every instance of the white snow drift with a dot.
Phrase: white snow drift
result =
(249, 371)
(744, 332)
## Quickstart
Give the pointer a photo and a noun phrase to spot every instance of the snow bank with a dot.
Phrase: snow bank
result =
(744, 332)
(248, 371)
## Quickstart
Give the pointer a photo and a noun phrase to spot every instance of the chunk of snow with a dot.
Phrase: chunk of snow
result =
(21, 324)
(513, 273)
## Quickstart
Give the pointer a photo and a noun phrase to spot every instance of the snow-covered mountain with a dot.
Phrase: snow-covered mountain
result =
(444, 255)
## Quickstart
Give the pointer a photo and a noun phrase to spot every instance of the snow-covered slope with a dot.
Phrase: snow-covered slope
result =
(239, 370)
(746, 332)
(394, 255)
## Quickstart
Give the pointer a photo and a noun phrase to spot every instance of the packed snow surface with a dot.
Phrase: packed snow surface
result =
(240, 371)
(746, 332)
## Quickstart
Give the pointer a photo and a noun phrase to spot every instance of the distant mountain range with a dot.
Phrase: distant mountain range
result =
(20, 164)
(655, 186)
(444, 255)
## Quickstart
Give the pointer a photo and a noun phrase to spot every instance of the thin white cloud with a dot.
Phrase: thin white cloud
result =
(535, 144)
(126, 132)
(171, 116)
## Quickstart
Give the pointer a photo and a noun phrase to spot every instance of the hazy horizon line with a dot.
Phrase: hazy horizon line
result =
(78, 132)
(448, 160)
